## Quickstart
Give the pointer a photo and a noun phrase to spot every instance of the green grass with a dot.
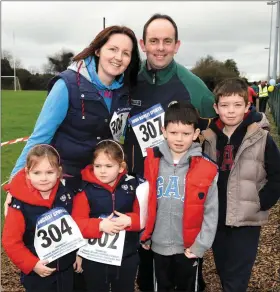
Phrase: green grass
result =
(19, 113)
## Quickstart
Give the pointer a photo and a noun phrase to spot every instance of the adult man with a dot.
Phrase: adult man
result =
(161, 81)
(263, 96)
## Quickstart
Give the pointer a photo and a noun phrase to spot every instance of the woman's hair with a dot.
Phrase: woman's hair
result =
(110, 147)
(41, 151)
(131, 73)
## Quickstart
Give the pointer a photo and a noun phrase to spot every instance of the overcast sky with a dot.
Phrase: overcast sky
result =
(235, 30)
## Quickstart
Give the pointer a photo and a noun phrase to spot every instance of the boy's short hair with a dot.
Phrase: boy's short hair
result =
(231, 86)
(181, 112)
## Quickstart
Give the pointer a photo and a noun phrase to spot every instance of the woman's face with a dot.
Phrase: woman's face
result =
(114, 57)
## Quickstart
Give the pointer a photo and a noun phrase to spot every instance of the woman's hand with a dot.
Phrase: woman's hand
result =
(8, 201)
(78, 265)
(122, 219)
(109, 226)
(41, 269)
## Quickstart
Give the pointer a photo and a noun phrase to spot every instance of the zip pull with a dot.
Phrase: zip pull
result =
(175, 165)
(113, 199)
(154, 78)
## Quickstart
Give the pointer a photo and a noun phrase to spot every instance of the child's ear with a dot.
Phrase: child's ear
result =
(123, 166)
(247, 107)
(196, 134)
(215, 106)
(60, 172)
(163, 132)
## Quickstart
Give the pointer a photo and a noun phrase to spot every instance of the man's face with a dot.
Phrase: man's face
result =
(160, 45)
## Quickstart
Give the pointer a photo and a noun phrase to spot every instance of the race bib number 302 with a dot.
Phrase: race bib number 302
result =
(147, 127)
(107, 250)
(56, 235)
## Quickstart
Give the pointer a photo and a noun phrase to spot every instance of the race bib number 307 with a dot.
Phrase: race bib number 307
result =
(147, 127)
(56, 235)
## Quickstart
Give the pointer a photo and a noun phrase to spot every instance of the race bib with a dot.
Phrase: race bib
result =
(107, 250)
(147, 127)
(118, 124)
(56, 235)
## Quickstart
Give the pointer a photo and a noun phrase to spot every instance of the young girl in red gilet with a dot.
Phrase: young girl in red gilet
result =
(40, 196)
(108, 215)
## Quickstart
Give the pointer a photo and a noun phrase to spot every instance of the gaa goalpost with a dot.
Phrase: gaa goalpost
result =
(16, 82)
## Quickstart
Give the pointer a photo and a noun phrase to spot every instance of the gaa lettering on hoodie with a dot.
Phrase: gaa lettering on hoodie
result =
(172, 188)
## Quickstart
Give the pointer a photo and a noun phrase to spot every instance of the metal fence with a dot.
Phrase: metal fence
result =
(274, 104)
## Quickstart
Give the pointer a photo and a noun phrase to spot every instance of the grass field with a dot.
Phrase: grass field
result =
(20, 110)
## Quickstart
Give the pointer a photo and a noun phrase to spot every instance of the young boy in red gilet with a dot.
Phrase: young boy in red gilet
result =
(183, 200)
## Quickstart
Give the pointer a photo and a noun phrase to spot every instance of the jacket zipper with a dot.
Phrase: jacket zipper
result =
(154, 78)
(113, 199)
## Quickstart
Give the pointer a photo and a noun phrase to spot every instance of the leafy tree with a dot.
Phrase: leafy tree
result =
(232, 65)
(6, 69)
(24, 78)
(212, 71)
(60, 61)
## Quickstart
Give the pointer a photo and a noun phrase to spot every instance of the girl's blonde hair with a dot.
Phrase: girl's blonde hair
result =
(41, 151)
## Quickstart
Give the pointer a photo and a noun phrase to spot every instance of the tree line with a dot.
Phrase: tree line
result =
(33, 81)
(209, 69)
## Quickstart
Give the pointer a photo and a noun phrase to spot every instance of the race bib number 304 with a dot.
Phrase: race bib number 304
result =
(107, 250)
(147, 127)
(56, 235)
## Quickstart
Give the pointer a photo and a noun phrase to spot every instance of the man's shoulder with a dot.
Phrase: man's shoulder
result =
(189, 79)
(184, 72)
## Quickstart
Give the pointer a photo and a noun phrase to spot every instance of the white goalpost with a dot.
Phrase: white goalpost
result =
(16, 82)
(16, 79)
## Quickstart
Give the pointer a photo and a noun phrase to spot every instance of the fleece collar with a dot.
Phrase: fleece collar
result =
(158, 77)
(89, 176)
(20, 188)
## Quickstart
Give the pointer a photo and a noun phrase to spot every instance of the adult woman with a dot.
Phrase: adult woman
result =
(83, 99)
